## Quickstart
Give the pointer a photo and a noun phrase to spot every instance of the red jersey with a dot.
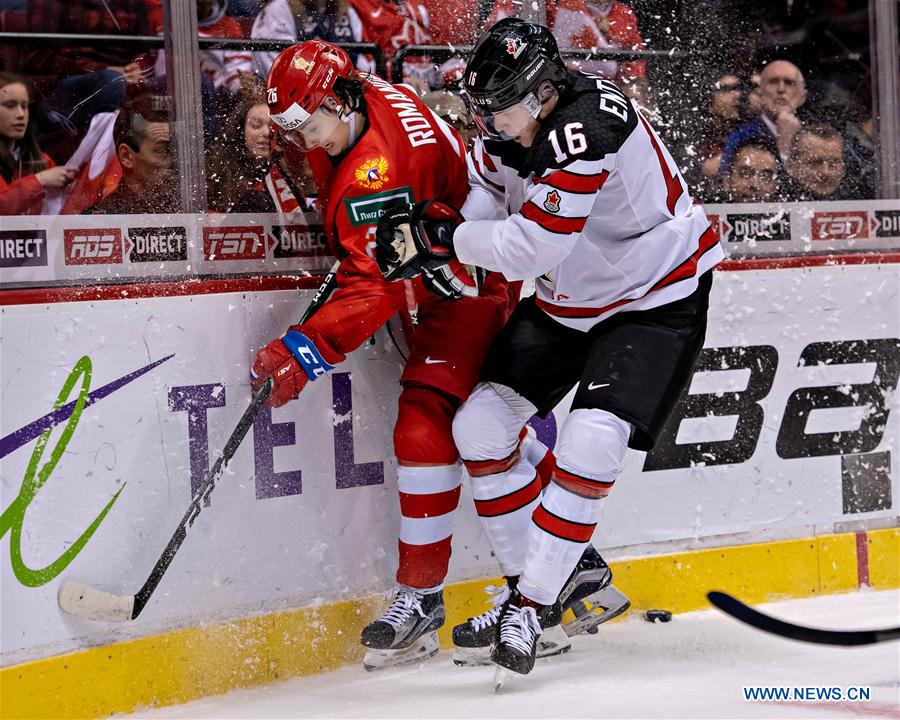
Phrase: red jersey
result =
(405, 154)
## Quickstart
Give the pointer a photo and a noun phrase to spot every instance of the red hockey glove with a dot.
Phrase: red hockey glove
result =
(410, 238)
(287, 375)
(293, 360)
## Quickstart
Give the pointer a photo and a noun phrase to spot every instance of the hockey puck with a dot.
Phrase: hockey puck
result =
(658, 616)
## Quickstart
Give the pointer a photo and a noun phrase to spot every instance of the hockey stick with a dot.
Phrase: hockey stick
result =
(86, 602)
(323, 293)
(746, 614)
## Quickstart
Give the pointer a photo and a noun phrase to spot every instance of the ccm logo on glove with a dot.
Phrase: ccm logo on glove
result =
(292, 361)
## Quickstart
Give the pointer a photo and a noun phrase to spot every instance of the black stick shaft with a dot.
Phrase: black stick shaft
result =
(746, 614)
(322, 294)
(231, 446)
(237, 436)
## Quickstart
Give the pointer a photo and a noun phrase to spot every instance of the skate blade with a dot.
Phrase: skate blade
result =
(472, 657)
(596, 609)
(422, 649)
(553, 641)
(501, 677)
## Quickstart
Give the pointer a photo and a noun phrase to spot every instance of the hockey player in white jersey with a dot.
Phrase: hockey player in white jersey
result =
(571, 186)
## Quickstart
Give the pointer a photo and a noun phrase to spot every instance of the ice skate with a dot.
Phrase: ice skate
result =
(406, 632)
(518, 631)
(590, 595)
(473, 638)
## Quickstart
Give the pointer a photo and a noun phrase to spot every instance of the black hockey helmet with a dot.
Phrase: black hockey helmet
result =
(511, 61)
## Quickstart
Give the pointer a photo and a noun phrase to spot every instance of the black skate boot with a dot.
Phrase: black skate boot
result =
(473, 638)
(590, 594)
(407, 632)
(518, 631)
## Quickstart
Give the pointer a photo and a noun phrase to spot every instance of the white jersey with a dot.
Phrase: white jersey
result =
(595, 211)
(276, 21)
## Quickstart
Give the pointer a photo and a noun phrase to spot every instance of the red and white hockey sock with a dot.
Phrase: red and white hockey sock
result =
(504, 501)
(561, 527)
(538, 455)
(428, 497)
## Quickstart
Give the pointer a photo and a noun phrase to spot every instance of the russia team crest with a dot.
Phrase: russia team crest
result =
(373, 173)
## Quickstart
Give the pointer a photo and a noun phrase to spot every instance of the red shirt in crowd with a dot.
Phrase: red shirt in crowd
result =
(24, 194)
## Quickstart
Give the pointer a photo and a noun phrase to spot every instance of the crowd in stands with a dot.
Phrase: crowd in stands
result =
(772, 148)
(85, 127)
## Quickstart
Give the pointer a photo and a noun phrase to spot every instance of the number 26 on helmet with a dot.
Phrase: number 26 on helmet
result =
(301, 92)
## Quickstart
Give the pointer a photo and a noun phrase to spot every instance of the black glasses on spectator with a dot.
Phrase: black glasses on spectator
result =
(745, 173)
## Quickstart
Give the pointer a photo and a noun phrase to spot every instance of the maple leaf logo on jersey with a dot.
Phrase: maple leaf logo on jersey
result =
(373, 173)
(551, 203)
(515, 46)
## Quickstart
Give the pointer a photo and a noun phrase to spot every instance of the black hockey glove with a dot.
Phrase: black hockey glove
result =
(411, 237)
(453, 280)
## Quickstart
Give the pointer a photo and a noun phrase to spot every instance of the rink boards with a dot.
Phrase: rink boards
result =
(786, 442)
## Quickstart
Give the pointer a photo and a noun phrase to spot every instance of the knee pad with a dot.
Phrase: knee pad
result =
(423, 434)
(590, 451)
(487, 427)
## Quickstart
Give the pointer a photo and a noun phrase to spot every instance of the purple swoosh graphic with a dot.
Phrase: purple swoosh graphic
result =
(18, 438)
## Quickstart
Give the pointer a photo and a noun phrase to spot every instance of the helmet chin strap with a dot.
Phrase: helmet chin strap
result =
(352, 119)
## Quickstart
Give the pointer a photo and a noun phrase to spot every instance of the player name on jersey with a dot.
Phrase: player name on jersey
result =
(418, 129)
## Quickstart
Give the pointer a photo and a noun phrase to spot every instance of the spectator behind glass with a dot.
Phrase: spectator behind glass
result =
(723, 113)
(588, 24)
(298, 20)
(755, 175)
(850, 114)
(222, 72)
(708, 130)
(816, 165)
(782, 91)
(78, 82)
(451, 108)
(25, 171)
(452, 22)
(148, 184)
(237, 162)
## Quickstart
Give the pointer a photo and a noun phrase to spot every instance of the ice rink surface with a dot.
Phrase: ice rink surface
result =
(693, 667)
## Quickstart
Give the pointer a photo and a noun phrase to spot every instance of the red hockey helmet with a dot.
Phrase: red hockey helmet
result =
(300, 91)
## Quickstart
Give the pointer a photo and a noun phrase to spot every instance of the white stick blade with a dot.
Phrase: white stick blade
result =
(89, 603)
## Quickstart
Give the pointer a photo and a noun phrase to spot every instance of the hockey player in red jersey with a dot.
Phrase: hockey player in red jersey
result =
(372, 145)
(571, 186)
